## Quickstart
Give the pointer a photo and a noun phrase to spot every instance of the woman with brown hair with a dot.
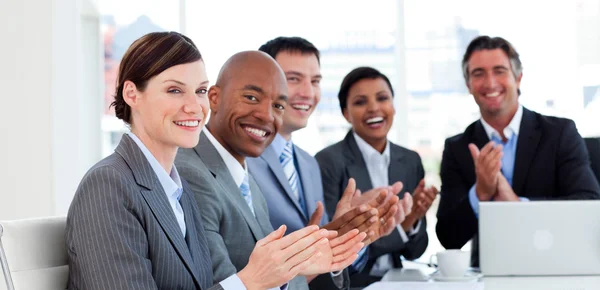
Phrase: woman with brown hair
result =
(133, 223)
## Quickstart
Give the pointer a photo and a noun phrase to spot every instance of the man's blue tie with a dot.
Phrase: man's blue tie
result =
(245, 189)
(287, 162)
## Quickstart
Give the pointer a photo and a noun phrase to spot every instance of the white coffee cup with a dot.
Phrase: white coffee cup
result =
(452, 263)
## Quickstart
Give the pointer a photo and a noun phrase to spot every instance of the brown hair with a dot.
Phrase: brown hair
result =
(147, 57)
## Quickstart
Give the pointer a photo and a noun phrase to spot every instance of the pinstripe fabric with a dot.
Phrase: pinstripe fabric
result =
(231, 228)
(122, 233)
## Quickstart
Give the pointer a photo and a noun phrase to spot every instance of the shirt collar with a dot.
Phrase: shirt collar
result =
(369, 152)
(171, 183)
(512, 128)
(235, 168)
(279, 144)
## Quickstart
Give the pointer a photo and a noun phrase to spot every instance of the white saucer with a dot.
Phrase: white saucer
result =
(469, 276)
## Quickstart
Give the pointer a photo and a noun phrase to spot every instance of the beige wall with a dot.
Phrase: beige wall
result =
(50, 114)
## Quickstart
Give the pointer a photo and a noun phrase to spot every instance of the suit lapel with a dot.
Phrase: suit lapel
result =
(273, 161)
(194, 244)
(211, 157)
(480, 137)
(357, 167)
(307, 186)
(396, 170)
(527, 143)
(155, 197)
(262, 212)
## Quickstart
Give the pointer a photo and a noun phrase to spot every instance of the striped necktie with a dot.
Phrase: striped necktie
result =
(245, 189)
(287, 162)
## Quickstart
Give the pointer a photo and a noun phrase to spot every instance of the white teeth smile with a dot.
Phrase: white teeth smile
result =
(493, 95)
(188, 123)
(256, 132)
(301, 107)
(374, 120)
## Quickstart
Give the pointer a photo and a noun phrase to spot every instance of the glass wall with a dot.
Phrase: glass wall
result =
(123, 22)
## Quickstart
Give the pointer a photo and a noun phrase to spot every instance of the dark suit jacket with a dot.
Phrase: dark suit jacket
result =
(593, 146)
(343, 160)
(284, 207)
(551, 162)
(122, 233)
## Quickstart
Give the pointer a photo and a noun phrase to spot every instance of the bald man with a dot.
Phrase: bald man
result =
(247, 104)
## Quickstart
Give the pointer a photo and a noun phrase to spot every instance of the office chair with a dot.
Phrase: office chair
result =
(33, 254)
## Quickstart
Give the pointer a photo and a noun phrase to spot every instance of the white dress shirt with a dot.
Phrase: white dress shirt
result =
(378, 165)
(235, 168)
(512, 129)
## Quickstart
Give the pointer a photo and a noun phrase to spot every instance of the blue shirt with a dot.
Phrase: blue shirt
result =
(171, 183)
(511, 132)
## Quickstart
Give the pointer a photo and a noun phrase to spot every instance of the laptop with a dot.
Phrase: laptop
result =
(539, 238)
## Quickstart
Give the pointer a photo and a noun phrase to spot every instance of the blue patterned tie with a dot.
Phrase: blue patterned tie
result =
(287, 162)
(245, 189)
(359, 264)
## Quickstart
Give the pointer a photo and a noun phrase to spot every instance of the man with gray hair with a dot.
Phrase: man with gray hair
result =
(510, 154)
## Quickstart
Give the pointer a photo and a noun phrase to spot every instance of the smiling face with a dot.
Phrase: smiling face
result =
(171, 109)
(370, 110)
(493, 84)
(248, 106)
(303, 76)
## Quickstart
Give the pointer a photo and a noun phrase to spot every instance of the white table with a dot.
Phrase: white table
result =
(390, 281)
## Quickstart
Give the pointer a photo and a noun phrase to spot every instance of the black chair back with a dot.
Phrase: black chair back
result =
(593, 146)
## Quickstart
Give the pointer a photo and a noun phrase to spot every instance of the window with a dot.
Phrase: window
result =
(420, 49)
(122, 23)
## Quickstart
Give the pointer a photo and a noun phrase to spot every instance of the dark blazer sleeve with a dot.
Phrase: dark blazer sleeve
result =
(417, 243)
(326, 281)
(457, 222)
(574, 173)
(332, 179)
(106, 239)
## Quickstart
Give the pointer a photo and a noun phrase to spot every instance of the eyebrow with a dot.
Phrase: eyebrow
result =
(297, 73)
(175, 81)
(254, 88)
(183, 84)
(493, 68)
(261, 91)
(357, 96)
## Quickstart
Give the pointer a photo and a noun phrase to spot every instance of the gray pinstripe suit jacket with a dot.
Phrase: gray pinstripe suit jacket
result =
(122, 233)
(231, 228)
